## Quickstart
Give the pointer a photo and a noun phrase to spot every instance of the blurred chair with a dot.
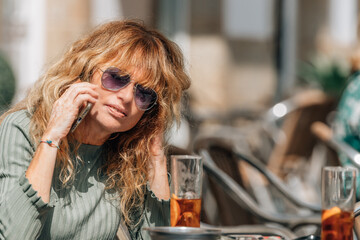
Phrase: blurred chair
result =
(240, 203)
(324, 133)
(233, 228)
(280, 136)
(294, 140)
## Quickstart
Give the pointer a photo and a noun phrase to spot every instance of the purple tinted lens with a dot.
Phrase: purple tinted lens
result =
(145, 98)
(112, 79)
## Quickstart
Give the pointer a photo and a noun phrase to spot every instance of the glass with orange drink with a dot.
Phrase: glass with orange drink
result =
(338, 199)
(185, 188)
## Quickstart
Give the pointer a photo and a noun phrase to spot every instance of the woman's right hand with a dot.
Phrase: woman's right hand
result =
(66, 109)
(64, 112)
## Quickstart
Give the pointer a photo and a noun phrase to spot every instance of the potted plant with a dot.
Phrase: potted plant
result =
(7, 84)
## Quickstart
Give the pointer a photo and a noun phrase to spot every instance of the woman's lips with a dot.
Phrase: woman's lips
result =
(116, 111)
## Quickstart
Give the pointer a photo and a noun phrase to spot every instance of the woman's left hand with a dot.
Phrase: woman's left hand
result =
(158, 170)
(157, 149)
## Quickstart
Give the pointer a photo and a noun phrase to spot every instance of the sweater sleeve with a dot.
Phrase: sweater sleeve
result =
(157, 213)
(22, 211)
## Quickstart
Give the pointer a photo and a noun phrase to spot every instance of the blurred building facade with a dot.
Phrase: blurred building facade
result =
(239, 53)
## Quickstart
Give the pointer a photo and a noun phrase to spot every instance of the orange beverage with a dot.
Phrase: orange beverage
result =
(337, 224)
(185, 212)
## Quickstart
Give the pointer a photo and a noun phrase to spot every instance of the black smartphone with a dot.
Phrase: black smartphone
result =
(81, 116)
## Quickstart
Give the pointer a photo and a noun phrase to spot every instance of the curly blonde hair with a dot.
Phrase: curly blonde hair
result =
(129, 45)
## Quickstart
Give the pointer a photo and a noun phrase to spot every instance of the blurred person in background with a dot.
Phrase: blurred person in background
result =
(110, 173)
(346, 125)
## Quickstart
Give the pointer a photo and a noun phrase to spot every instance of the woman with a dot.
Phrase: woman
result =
(110, 171)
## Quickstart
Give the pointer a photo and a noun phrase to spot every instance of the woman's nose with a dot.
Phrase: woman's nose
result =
(126, 93)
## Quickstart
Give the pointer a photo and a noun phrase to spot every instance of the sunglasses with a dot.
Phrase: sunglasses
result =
(114, 79)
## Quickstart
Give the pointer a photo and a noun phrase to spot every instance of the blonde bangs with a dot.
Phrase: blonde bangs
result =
(144, 62)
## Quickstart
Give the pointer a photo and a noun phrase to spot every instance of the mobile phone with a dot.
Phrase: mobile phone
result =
(81, 116)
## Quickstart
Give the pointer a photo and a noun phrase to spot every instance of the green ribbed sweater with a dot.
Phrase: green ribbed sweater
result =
(83, 211)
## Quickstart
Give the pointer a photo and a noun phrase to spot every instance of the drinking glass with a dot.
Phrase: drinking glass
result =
(338, 188)
(185, 189)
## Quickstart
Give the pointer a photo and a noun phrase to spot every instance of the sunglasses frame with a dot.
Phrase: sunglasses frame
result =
(134, 89)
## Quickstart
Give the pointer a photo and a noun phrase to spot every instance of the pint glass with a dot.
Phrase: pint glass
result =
(185, 189)
(338, 199)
